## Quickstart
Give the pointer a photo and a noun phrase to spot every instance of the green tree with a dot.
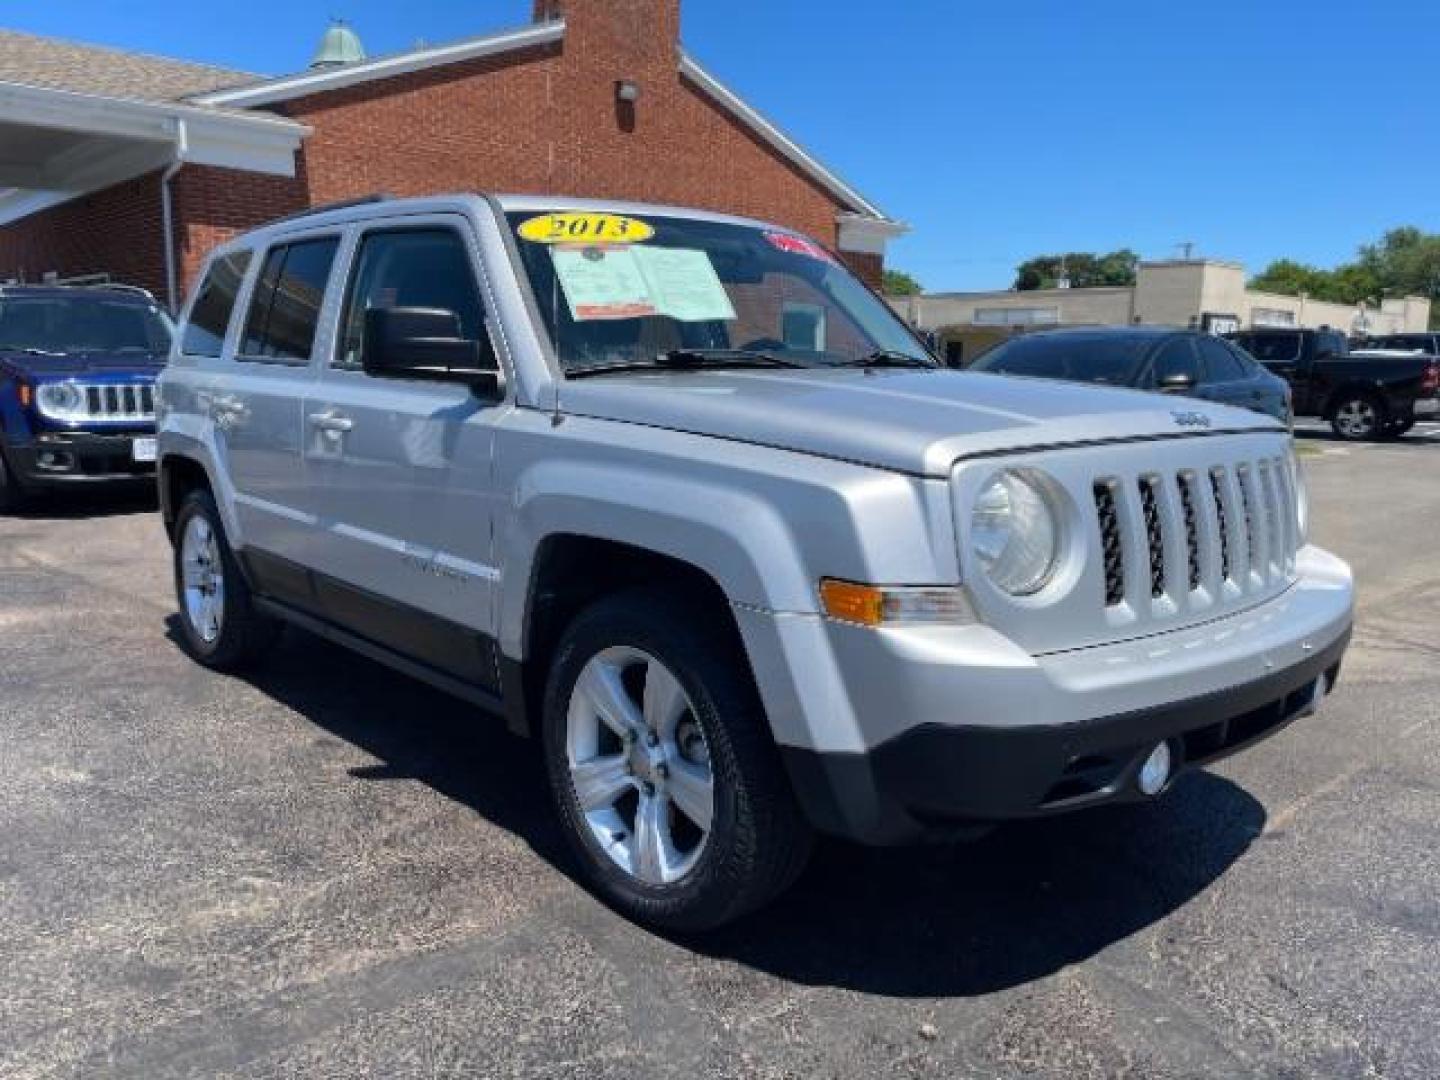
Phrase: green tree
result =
(1405, 262)
(899, 283)
(1083, 270)
(1291, 278)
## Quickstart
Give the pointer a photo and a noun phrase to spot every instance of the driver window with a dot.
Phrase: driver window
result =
(409, 268)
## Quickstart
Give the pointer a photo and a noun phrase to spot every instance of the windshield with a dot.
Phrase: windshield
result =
(75, 324)
(622, 291)
(1079, 358)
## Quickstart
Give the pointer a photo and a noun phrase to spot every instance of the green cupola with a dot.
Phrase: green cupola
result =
(339, 45)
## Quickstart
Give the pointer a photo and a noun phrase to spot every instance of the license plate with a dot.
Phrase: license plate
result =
(143, 449)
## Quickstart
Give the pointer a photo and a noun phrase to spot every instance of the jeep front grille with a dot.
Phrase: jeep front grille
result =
(1154, 536)
(1166, 535)
(108, 401)
(1111, 545)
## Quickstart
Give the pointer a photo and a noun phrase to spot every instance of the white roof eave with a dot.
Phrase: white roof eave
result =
(127, 137)
(289, 87)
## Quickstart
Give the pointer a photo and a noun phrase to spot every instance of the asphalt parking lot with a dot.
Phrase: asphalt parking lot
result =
(329, 870)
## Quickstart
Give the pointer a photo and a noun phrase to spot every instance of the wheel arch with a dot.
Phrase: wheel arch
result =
(570, 571)
(1369, 388)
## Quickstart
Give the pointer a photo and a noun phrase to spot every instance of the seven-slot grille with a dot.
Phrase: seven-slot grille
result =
(108, 401)
(1165, 534)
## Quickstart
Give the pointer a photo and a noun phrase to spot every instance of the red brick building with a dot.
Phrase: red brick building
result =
(111, 153)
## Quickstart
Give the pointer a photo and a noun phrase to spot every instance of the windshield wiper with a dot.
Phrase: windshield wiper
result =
(31, 350)
(885, 358)
(691, 360)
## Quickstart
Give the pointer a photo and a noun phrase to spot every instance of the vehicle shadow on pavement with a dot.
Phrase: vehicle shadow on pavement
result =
(1021, 903)
(937, 921)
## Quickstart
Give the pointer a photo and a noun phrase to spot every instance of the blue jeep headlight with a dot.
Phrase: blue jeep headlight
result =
(59, 400)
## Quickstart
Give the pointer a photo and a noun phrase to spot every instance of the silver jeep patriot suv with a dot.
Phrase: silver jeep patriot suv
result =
(675, 493)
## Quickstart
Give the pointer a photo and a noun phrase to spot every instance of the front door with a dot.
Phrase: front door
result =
(402, 470)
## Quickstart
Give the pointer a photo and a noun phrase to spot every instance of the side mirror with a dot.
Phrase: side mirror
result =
(1177, 382)
(425, 343)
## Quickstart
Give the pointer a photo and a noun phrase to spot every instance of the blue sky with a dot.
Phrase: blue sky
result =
(1255, 128)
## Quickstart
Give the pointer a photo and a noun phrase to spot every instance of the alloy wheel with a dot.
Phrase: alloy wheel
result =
(203, 577)
(639, 765)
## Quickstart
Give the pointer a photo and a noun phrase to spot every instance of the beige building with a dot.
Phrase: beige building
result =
(1205, 293)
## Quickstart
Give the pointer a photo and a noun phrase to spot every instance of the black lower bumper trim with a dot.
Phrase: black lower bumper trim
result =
(938, 779)
(78, 459)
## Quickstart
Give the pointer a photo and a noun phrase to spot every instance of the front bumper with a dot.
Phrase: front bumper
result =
(937, 779)
(894, 736)
(62, 459)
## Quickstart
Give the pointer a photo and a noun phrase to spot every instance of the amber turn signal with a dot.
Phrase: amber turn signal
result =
(873, 605)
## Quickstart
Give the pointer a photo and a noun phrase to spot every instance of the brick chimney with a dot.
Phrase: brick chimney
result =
(618, 28)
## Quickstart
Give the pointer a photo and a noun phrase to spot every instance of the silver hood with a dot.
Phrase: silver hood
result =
(918, 422)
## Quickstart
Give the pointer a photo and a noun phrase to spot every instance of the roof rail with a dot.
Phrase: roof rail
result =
(120, 286)
(343, 204)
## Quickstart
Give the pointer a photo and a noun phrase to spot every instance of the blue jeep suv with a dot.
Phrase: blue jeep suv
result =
(77, 387)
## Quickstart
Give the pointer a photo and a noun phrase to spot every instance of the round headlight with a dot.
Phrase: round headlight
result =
(58, 397)
(1015, 533)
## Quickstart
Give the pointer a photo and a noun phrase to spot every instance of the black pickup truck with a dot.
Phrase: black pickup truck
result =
(1363, 396)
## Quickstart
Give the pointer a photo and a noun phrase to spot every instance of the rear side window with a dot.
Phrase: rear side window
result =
(210, 313)
(1221, 365)
(285, 309)
(1272, 348)
(427, 268)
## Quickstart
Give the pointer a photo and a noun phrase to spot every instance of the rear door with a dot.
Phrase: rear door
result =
(1224, 378)
(258, 410)
(402, 469)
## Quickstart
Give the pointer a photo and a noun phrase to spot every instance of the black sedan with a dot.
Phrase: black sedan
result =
(1146, 358)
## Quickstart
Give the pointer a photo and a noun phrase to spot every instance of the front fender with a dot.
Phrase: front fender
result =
(738, 539)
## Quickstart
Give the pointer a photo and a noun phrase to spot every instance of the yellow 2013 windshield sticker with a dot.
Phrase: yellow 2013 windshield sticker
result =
(585, 228)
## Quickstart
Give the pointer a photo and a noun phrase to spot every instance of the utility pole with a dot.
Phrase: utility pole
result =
(1187, 247)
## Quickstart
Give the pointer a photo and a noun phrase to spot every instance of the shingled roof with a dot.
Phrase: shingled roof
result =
(92, 69)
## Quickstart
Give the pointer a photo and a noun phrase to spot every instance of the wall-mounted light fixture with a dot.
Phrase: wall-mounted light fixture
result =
(627, 91)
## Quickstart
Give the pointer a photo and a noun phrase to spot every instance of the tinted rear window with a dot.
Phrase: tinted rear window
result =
(210, 314)
(285, 310)
(1271, 348)
(1097, 359)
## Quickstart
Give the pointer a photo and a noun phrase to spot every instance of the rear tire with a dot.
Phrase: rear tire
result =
(219, 625)
(12, 497)
(1358, 417)
(667, 701)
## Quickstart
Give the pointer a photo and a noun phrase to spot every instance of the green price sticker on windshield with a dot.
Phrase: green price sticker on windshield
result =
(585, 228)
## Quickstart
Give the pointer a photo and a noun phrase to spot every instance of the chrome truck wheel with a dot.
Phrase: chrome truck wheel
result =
(1357, 418)
(660, 759)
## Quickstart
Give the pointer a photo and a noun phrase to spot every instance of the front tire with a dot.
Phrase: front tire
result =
(219, 625)
(1358, 417)
(669, 788)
